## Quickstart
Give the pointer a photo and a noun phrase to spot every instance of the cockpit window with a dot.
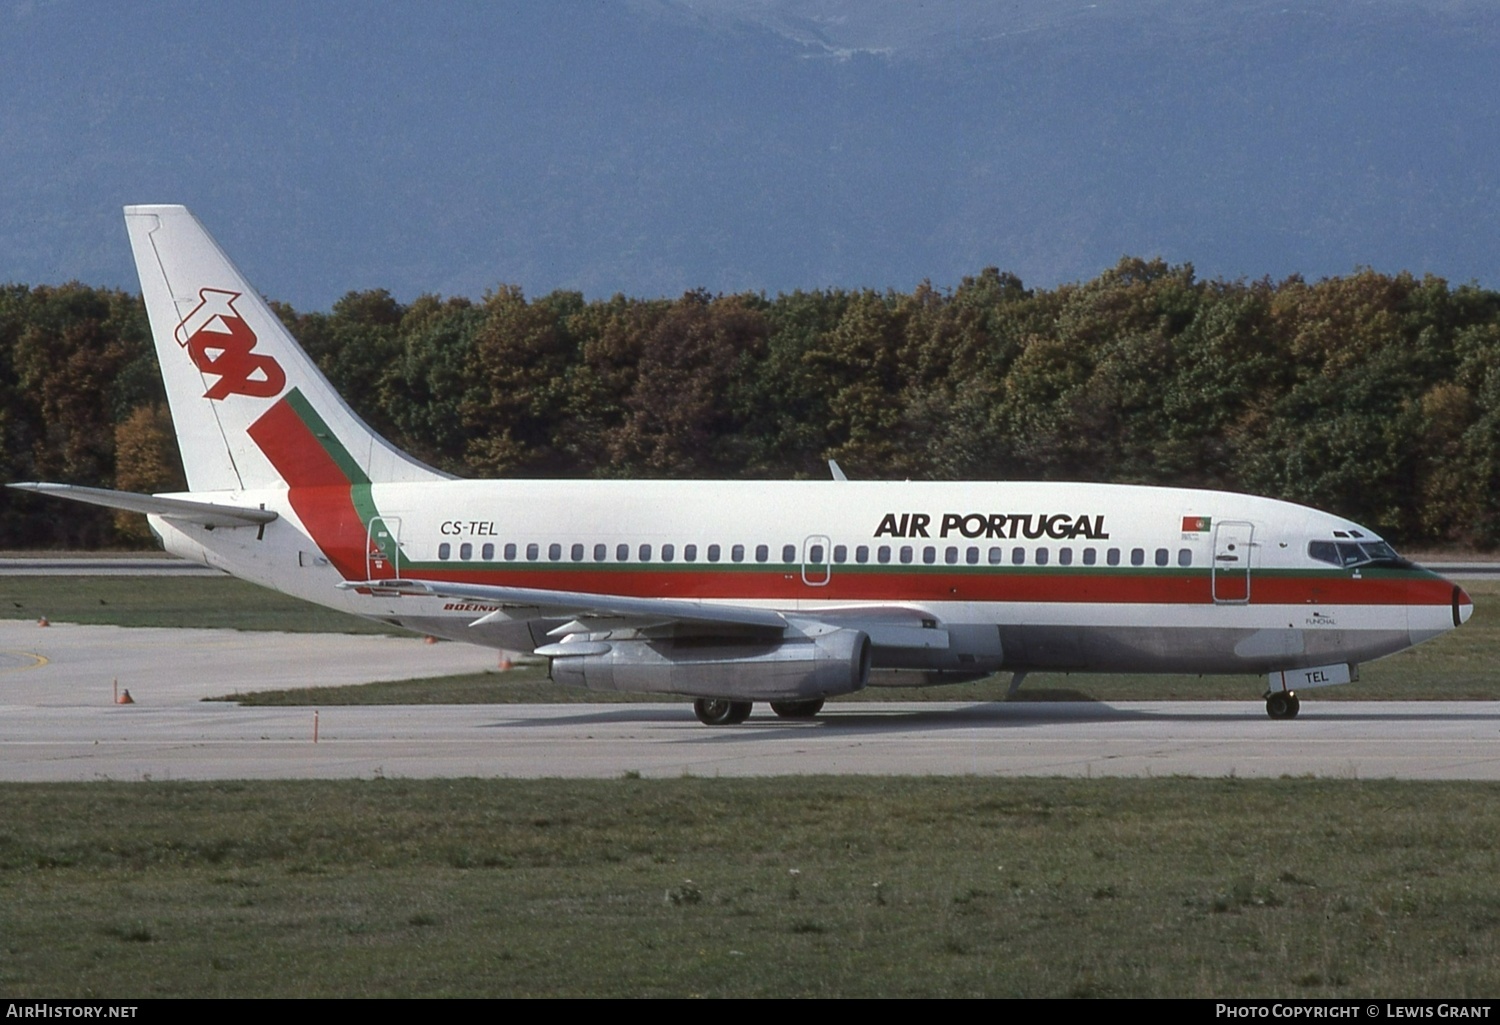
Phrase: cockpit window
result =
(1351, 553)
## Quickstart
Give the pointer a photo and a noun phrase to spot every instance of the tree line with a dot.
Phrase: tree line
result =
(1372, 395)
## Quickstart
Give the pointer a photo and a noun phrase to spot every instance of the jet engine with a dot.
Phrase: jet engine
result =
(796, 668)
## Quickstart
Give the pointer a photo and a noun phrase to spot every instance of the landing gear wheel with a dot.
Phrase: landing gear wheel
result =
(1282, 704)
(797, 709)
(721, 711)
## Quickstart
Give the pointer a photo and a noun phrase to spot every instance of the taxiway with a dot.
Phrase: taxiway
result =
(58, 722)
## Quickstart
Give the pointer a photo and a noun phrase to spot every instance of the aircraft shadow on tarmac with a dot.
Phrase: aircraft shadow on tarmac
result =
(903, 717)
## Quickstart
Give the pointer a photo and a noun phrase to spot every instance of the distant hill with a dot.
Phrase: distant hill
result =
(653, 147)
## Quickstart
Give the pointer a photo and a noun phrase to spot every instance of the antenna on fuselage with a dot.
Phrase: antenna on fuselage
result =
(833, 468)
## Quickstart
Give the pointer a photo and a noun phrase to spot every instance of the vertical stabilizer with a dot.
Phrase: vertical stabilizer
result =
(236, 379)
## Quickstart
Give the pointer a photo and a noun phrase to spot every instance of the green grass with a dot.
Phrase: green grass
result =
(777, 887)
(203, 602)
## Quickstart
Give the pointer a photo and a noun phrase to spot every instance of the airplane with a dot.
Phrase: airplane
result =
(736, 592)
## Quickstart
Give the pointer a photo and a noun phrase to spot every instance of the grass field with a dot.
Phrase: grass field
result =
(202, 602)
(780, 887)
(1458, 666)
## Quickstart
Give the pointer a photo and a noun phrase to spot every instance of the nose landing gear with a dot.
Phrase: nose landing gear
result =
(1282, 704)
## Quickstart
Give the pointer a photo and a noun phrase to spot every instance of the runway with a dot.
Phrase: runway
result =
(58, 722)
(1358, 740)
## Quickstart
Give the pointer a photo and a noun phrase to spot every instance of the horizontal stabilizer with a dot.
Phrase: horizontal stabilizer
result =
(205, 514)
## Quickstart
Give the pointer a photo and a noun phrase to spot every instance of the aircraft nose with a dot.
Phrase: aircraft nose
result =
(1463, 606)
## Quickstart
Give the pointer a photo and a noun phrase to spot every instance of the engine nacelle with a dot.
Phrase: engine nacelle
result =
(795, 668)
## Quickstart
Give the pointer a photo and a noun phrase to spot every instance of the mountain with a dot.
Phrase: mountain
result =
(660, 145)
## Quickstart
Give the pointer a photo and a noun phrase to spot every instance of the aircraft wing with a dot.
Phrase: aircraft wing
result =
(606, 610)
(206, 514)
(887, 626)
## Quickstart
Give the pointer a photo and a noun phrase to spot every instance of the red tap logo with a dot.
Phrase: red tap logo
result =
(222, 344)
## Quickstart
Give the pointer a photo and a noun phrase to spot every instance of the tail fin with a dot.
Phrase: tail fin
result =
(251, 409)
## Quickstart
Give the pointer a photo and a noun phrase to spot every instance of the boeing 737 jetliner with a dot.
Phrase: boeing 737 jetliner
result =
(732, 592)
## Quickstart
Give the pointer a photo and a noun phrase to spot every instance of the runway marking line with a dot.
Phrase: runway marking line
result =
(37, 661)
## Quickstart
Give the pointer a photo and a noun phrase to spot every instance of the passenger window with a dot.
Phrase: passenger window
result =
(950, 555)
(466, 551)
(1114, 557)
(644, 553)
(815, 555)
(487, 552)
(997, 556)
(601, 552)
(667, 552)
(554, 552)
(1041, 556)
(1090, 556)
(884, 554)
(737, 553)
(788, 553)
(622, 553)
(444, 550)
(1162, 556)
(533, 551)
(929, 554)
(972, 556)
(840, 553)
(1018, 556)
(1065, 557)
(762, 553)
(1184, 556)
(577, 553)
(905, 554)
(862, 554)
(510, 551)
(713, 553)
(689, 553)
(1138, 556)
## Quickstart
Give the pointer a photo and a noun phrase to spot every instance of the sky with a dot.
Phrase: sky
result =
(648, 147)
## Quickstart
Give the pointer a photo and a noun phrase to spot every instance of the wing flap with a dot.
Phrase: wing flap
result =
(594, 611)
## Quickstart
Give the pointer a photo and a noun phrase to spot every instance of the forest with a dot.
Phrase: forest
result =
(1372, 395)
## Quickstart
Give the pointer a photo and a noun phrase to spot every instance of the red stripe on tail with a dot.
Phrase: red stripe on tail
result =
(319, 489)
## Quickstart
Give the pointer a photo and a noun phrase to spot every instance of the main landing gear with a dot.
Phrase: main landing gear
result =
(1282, 704)
(797, 709)
(723, 712)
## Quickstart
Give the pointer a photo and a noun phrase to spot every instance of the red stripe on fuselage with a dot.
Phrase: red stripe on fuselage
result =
(318, 489)
(996, 586)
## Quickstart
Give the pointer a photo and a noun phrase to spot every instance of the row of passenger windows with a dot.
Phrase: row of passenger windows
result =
(817, 554)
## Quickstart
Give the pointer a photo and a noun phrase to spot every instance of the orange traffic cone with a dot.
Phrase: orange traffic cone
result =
(125, 698)
(505, 663)
(43, 622)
